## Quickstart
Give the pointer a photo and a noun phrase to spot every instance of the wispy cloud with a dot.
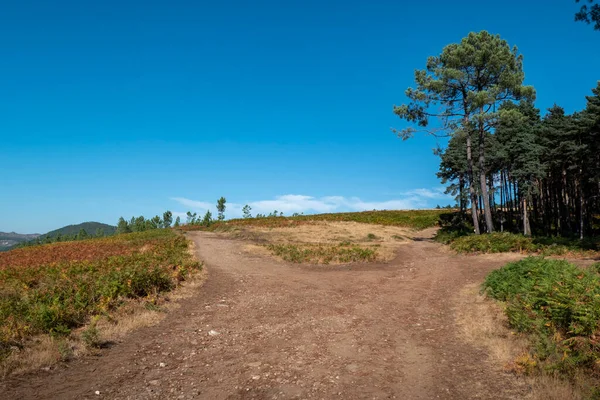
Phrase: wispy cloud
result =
(433, 193)
(193, 204)
(295, 203)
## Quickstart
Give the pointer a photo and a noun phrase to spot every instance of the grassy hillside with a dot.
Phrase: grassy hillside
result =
(415, 219)
(66, 233)
(89, 227)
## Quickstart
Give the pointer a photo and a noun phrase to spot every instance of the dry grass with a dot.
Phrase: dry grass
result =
(42, 353)
(483, 323)
(384, 240)
(552, 388)
(137, 315)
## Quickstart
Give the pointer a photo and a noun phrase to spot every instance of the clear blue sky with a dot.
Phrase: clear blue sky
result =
(114, 108)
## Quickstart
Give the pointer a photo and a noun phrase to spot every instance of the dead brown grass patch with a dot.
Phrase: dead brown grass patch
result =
(483, 323)
(42, 353)
(384, 240)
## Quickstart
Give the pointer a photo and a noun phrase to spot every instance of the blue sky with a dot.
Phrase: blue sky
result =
(114, 108)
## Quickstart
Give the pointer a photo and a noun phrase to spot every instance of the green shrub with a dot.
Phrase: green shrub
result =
(493, 243)
(91, 335)
(558, 305)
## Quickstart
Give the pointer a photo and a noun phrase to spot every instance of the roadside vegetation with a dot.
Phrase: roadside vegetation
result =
(458, 233)
(511, 242)
(51, 291)
(555, 306)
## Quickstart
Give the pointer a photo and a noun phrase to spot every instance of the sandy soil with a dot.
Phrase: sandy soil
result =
(264, 329)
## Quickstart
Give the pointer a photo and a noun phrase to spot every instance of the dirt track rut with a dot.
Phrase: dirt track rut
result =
(263, 329)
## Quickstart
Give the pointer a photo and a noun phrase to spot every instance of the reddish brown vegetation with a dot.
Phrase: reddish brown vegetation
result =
(64, 252)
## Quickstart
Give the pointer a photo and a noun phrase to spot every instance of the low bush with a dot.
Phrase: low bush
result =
(557, 304)
(500, 242)
(493, 243)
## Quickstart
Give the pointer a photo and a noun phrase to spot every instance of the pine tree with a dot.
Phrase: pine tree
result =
(247, 211)
(167, 219)
(207, 220)
(517, 133)
(123, 226)
(221, 208)
(589, 13)
(468, 81)
(140, 224)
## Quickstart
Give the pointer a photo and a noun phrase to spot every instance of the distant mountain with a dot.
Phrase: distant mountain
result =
(10, 239)
(89, 227)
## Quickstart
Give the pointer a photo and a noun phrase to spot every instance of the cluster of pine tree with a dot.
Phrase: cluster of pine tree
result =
(509, 166)
(140, 224)
(194, 219)
(207, 220)
(542, 173)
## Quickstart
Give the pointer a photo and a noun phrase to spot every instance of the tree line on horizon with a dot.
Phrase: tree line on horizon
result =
(141, 224)
(61, 237)
(207, 220)
(508, 166)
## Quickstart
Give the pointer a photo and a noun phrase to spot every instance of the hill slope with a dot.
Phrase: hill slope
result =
(89, 227)
(10, 239)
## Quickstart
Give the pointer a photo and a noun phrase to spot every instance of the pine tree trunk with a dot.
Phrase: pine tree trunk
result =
(502, 201)
(461, 198)
(491, 194)
(536, 203)
(483, 183)
(517, 204)
(581, 205)
(509, 199)
(526, 226)
(471, 187)
(564, 205)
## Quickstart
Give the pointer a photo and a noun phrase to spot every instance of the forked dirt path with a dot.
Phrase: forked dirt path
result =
(269, 330)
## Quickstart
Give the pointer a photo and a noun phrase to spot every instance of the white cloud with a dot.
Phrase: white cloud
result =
(295, 203)
(433, 193)
(182, 216)
(193, 204)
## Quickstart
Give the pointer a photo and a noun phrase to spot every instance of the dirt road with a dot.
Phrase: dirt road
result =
(269, 330)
